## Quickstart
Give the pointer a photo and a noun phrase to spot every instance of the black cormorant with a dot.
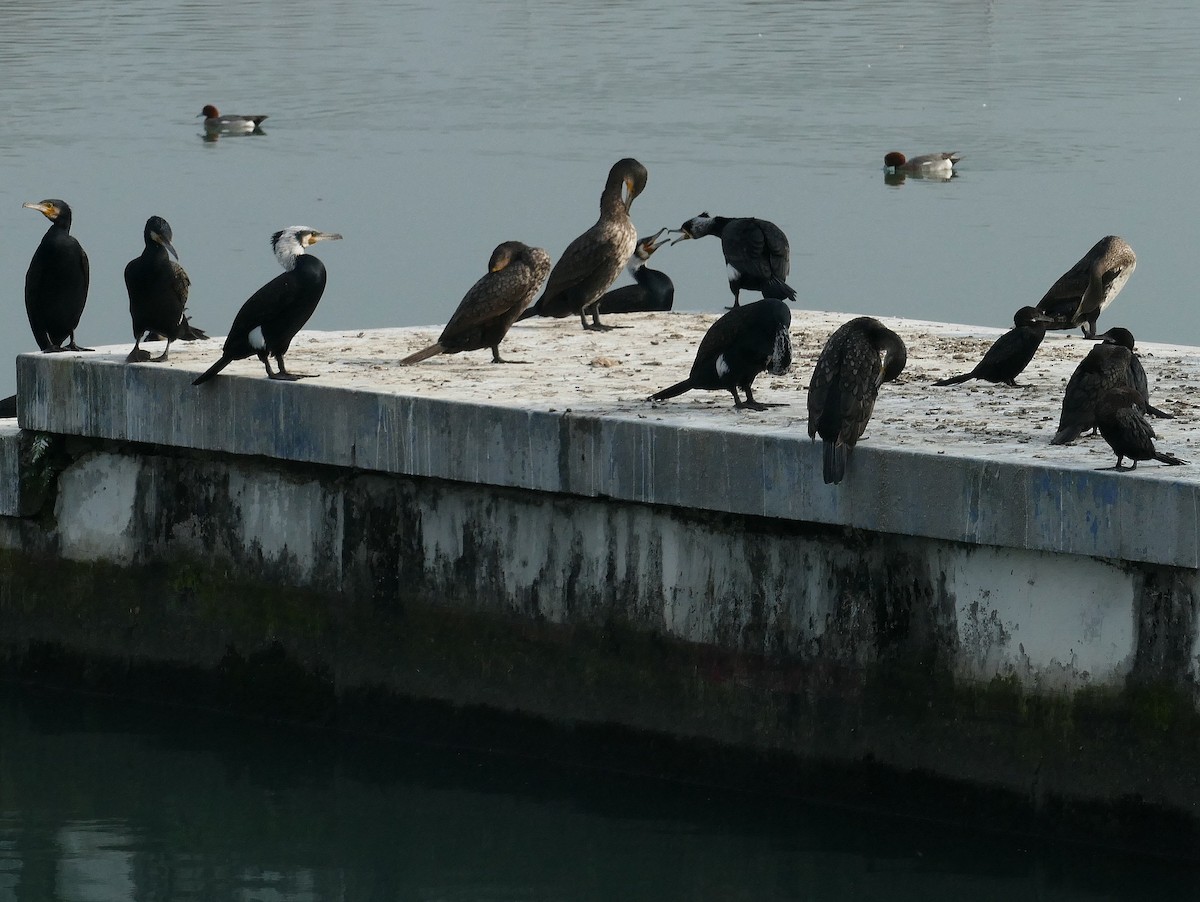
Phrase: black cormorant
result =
(515, 273)
(56, 284)
(845, 384)
(652, 290)
(1119, 418)
(744, 342)
(1137, 373)
(1011, 352)
(158, 289)
(1106, 366)
(757, 256)
(592, 262)
(932, 165)
(273, 315)
(215, 123)
(1083, 292)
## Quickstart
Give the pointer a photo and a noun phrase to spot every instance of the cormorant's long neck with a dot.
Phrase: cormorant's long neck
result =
(612, 200)
(718, 225)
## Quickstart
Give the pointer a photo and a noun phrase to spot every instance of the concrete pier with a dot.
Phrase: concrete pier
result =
(970, 604)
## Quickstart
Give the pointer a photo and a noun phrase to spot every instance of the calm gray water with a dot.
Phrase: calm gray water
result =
(103, 801)
(428, 132)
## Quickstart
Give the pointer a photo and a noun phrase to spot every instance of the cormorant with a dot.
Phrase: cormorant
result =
(1011, 352)
(1137, 373)
(56, 284)
(651, 291)
(844, 386)
(270, 319)
(938, 165)
(1083, 292)
(187, 332)
(592, 262)
(1120, 420)
(1107, 366)
(215, 123)
(158, 289)
(515, 273)
(757, 255)
(744, 342)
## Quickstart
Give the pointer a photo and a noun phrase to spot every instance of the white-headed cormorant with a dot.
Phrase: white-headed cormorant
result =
(1011, 352)
(270, 319)
(742, 343)
(652, 290)
(1083, 292)
(1119, 418)
(757, 255)
(158, 290)
(215, 123)
(592, 262)
(56, 284)
(844, 386)
(938, 165)
(515, 273)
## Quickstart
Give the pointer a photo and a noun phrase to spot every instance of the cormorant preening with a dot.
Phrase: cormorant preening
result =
(1119, 418)
(56, 284)
(744, 342)
(273, 315)
(215, 123)
(515, 273)
(1011, 352)
(1083, 292)
(593, 261)
(757, 256)
(652, 290)
(158, 290)
(938, 165)
(845, 384)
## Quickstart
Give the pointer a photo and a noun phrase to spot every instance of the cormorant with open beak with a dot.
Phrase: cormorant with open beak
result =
(651, 291)
(757, 254)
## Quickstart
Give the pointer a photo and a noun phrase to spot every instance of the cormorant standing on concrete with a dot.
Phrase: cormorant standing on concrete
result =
(233, 124)
(1011, 352)
(757, 255)
(56, 284)
(1083, 292)
(1137, 373)
(744, 342)
(844, 386)
(515, 273)
(273, 315)
(592, 262)
(158, 289)
(1119, 418)
(652, 290)
(1106, 366)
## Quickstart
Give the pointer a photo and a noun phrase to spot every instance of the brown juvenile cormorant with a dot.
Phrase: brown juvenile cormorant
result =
(273, 315)
(515, 273)
(845, 384)
(757, 255)
(56, 284)
(1011, 352)
(744, 342)
(652, 290)
(592, 262)
(158, 289)
(1083, 292)
(215, 123)
(1119, 418)
(935, 165)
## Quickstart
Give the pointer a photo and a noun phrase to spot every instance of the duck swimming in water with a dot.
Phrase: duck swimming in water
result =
(1085, 290)
(757, 254)
(744, 342)
(515, 273)
(56, 283)
(592, 262)
(938, 165)
(1120, 421)
(1011, 352)
(270, 319)
(845, 384)
(652, 290)
(215, 123)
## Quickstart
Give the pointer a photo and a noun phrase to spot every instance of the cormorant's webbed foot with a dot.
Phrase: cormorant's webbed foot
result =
(138, 355)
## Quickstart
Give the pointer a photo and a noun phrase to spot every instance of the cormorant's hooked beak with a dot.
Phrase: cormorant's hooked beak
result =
(651, 244)
(46, 209)
(165, 242)
(683, 234)
(314, 237)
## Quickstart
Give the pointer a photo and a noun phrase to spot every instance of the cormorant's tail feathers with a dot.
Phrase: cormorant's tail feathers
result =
(213, 370)
(1066, 435)
(1166, 458)
(1155, 412)
(781, 289)
(432, 351)
(188, 332)
(955, 380)
(834, 468)
(677, 389)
